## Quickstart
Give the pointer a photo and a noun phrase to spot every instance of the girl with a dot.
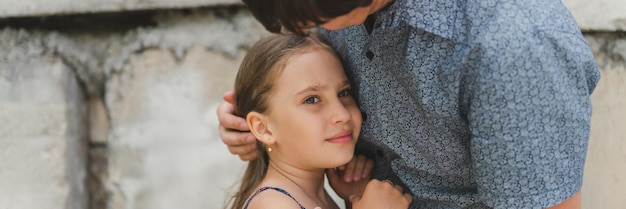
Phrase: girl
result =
(296, 99)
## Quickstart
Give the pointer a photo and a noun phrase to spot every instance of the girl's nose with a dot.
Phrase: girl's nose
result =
(340, 113)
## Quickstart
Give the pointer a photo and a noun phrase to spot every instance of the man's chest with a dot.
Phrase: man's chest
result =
(407, 68)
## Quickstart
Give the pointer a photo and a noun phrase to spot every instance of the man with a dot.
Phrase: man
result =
(470, 104)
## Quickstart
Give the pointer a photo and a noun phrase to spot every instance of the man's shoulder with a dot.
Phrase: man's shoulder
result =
(459, 19)
(519, 16)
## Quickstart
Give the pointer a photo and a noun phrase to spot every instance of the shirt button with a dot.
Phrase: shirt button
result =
(369, 55)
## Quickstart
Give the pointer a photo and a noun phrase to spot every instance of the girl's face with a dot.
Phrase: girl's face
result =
(312, 115)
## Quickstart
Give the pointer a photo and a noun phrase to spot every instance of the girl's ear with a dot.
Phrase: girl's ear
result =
(257, 123)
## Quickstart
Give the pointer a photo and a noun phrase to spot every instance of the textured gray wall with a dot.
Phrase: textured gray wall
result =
(42, 131)
(599, 15)
(132, 107)
(12, 8)
(604, 184)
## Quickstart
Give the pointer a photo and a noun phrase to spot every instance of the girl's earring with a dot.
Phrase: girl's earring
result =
(269, 149)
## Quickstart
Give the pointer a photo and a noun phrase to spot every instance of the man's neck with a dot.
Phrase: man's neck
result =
(371, 19)
(369, 23)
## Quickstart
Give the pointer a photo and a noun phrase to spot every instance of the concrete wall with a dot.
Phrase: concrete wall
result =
(117, 110)
(120, 117)
(604, 185)
(598, 15)
(12, 8)
(42, 131)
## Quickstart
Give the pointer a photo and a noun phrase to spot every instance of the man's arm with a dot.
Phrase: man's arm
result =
(529, 116)
(574, 202)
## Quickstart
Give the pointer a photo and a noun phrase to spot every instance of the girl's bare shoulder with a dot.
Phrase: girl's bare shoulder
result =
(273, 199)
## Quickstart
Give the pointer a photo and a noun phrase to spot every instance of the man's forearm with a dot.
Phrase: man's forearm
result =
(574, 202)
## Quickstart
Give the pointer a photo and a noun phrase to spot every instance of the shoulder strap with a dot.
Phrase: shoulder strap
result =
(274, 188)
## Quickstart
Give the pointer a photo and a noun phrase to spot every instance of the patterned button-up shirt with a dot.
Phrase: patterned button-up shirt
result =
(474, 104)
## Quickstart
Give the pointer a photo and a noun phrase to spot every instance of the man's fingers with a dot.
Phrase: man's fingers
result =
(226, 114)
(245, 152)
(236, 138)
(228, 119)
(242, 149)
(229, 97)
(234, 130)
(248, 156)
(240, 143)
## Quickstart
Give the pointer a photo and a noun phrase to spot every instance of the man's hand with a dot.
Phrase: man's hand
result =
(381, 195)
(351, 178)
(234, 130)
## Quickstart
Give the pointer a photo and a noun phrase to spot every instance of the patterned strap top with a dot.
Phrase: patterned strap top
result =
(274, 188)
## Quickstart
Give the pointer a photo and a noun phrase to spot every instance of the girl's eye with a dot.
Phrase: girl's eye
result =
(312, 100)
(344, 93)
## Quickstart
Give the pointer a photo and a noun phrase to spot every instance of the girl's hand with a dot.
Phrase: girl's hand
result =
(351, 178)
(381, 194)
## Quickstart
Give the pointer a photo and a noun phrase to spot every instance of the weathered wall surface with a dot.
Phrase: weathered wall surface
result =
(142, 98)
(12, 8)
(164, 148)
(117, 110)
(605, 171)
(604, 185)
(42, 131)
(599, 15)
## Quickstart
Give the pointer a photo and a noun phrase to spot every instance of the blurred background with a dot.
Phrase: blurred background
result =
(111, 104)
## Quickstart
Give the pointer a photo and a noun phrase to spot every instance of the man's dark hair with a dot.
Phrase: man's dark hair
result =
(294, 14)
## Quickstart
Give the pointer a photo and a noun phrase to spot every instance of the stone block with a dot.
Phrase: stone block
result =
(604, 184)
(29, 8)
(599, 15)
(165, 150)
(162, 90)
(42, 136)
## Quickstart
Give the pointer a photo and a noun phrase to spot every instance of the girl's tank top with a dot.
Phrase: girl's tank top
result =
(274, 188)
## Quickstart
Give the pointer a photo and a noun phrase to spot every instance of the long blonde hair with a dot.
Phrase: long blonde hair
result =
(253, 86)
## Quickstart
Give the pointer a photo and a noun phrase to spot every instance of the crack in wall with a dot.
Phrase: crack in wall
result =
(608, 47)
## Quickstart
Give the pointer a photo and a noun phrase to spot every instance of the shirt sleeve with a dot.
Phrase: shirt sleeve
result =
(529, 116)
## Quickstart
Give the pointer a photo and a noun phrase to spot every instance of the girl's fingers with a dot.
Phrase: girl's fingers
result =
(349, 170)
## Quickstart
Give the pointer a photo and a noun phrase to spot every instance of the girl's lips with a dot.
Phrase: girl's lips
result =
(341, 138)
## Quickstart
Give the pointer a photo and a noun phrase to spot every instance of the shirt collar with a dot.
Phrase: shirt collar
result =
(440, 17)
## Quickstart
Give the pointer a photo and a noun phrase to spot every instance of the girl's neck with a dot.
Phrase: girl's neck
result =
(308, 182)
